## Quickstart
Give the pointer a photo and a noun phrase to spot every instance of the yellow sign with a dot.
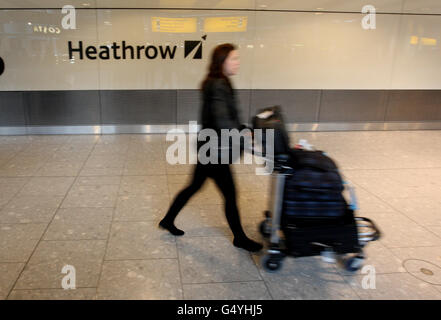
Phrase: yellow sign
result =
(413, 40)
(428, 41)
(174, 25)
(225, 24)
(424, 41)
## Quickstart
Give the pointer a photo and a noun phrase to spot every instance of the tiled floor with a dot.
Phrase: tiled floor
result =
(93, 202)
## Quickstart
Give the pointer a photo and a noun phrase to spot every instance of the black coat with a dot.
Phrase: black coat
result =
(219, 111)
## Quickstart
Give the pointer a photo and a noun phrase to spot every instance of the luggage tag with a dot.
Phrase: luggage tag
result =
(265, 114)
(304, 145)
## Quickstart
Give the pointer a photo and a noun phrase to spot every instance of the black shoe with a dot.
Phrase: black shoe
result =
(247, 244)
(171, 228)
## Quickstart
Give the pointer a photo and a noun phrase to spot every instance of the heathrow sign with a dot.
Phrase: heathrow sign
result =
(123, 51)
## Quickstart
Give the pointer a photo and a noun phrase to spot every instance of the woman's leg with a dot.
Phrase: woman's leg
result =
(182, 198)
(224, 180)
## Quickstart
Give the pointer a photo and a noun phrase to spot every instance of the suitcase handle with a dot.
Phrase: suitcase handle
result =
(368, 236)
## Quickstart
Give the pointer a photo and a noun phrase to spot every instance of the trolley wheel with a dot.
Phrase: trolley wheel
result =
(353, 264)
(271, 262)
(263, 228)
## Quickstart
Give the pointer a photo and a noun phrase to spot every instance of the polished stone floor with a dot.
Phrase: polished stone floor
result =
(93, 202)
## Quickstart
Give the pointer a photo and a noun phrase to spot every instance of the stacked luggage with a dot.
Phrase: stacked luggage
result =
(314, 209)
(308, 205)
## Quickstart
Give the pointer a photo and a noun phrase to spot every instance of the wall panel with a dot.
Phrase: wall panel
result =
(353, 105)
(56, 108)
(12, 108)
(311, 57)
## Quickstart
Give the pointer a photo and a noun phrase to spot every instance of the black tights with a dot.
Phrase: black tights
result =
(221, 174)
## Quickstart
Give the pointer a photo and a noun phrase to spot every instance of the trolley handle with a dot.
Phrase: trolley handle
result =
(280, 161)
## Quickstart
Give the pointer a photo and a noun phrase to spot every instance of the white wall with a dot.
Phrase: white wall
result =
(279, 50)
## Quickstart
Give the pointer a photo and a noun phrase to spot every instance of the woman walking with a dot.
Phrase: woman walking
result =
(219, 111)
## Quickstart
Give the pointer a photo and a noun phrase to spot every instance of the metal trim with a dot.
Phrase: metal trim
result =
(154, 128)
(63, 130)
(435, 125)
(164, 128)
(364, 126)
(185, 127)
(4, 131)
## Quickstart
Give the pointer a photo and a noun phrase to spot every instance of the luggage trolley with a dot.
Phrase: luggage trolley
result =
(337, 240)
(351, 258)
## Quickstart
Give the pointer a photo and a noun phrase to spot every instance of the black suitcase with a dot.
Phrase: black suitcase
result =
(314, 212)
(303, 241)
(272, 118)
(313, 189)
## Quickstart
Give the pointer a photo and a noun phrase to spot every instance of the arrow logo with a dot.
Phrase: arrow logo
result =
(191, 45)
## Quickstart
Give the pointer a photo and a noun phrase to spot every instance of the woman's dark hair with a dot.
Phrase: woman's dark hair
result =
(218, 57)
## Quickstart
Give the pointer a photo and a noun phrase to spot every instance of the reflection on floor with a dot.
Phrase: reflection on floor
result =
(93, 202)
